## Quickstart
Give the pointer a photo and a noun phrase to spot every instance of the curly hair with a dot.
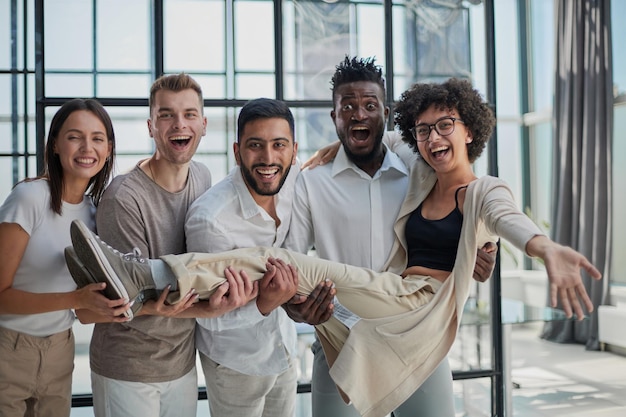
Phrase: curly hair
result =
(454, 94)
(357, 69)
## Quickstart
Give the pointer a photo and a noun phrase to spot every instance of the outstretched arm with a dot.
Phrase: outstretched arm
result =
(563, 265)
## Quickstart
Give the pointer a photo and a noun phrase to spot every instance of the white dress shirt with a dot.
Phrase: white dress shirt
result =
(348, 215)
(227, 217)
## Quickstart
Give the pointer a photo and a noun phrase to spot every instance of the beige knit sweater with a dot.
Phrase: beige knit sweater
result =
(384, 361)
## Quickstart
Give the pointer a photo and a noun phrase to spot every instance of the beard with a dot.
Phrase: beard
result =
(264, 189)
(358, 158)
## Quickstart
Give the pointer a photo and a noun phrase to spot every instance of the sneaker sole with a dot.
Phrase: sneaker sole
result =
(83, 277)
(88, 249)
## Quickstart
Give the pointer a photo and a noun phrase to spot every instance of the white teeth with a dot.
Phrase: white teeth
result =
(438, 149)
(180, 138)
(359, 128)
(267, 171)
(85, 160)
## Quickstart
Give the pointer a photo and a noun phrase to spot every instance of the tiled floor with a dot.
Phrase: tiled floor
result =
(552, 380)
(559, 380)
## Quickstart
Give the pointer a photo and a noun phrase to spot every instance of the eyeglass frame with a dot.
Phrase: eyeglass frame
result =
(434, 126)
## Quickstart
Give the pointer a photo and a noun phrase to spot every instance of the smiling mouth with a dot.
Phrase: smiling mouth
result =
(85, 161)
(360, 133)
(267, 172)
(439, 152)
(180, 141)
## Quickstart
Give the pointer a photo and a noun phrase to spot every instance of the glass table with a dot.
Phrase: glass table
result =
(479, 314)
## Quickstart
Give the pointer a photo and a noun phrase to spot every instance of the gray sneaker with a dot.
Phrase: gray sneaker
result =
(126, 275)
(82, 277)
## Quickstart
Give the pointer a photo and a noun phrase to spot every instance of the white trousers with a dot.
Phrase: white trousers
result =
(116, 398)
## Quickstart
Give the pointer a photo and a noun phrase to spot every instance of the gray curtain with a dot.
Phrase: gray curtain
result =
(583, 130)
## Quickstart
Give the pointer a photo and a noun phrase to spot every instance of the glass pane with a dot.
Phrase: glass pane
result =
(6, 143)
(6, 98)
(472, 347)
(402, 68)
(254, 35)
(317, 37)
(131, 131)
(14, 170)
(69, 85)
(213, 86)
(507, 51)
(194, 36)
(478, 47)
(472, 397)
(5, 34)
(132, 140)
(314, 129)
(370, 42)
(442, 47)
(542, 53)
(434, 42)
(219, 135)
(22, 94)
(254, 86)
(218, 165)
(124, 85)
(510, 170)
(68, 45)
(124, 45)
(619, 196)
(541, 175)
(618, 30)
(29, 60)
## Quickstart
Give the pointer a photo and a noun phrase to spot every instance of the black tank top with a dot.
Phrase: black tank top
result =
(433, 243)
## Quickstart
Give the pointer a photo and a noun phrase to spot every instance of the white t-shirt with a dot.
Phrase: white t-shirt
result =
(43, 268)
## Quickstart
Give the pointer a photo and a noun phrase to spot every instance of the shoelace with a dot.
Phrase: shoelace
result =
(134, 256)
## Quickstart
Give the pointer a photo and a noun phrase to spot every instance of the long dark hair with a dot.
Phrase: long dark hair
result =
(53, 171)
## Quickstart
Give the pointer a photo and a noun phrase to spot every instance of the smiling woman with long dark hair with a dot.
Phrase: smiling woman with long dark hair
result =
(37, 294)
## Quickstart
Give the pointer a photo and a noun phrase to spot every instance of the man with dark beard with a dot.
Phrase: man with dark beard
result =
(248, 355)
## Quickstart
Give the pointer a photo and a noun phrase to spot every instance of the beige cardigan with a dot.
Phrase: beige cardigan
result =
(385, 360)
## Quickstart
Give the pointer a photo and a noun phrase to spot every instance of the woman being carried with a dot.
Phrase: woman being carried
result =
(390, 330)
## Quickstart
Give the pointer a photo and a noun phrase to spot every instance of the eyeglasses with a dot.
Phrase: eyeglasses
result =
(443, 126)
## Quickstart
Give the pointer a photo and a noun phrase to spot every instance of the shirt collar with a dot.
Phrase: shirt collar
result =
(249, 207)
(391, 161)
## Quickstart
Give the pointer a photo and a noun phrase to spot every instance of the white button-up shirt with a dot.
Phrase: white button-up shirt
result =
(348, 215)
(227, 217)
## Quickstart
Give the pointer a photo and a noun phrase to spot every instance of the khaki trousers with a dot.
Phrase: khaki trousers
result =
(36, 374)
(366, 293)
(263, 396)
